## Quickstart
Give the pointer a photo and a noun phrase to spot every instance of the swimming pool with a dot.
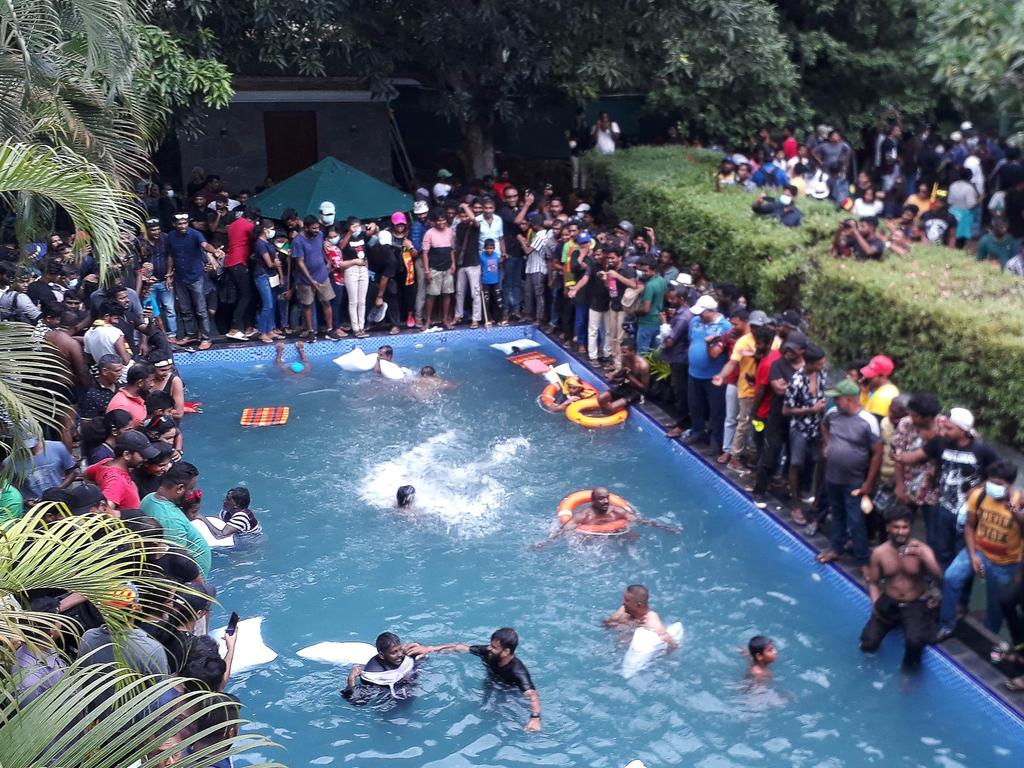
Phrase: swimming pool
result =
(337, 562)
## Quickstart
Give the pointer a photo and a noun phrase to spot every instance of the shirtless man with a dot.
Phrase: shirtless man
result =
(631, 381)
(601, 510)
(300, 367)
(635, 613)
(902, 563)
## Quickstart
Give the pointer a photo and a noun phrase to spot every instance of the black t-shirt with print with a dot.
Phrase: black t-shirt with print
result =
(936, 226)
(513, 673)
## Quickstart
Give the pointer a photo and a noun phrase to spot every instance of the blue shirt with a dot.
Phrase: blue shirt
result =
(416, 232)
(46, 470)
(678, 352)
(311, 251)
(189, 258)
(701, 365)
(489, 268)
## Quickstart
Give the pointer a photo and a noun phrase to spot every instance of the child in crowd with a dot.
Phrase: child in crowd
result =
(237, 516)
(762, 655)
(489, 285)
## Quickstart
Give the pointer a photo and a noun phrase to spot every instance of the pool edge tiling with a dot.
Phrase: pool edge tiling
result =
(936, 660)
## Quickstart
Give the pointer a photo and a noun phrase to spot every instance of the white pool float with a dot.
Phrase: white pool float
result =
(212, 540)
(345, 654)
(392, 371)
(645, 646)
(356, 360)
(249, 648)
(519, 344)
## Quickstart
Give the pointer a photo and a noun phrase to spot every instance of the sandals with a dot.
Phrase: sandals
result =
(395, 330)
(1015, 684)
(797, 516)
(205, 344)
(828, 556)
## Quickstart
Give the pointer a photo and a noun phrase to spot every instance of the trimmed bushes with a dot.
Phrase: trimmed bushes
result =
(953, 326)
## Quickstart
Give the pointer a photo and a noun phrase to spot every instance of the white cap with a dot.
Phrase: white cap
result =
(704, 304)
(962, 418)
(420, 206)
(956, 136)
(583, 208)
(966, 126)
(327, 212)
(683, 279)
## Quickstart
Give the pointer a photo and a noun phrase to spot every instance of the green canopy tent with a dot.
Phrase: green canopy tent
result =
(353, 193)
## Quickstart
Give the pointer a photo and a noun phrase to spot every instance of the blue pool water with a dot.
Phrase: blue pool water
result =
(337, 562)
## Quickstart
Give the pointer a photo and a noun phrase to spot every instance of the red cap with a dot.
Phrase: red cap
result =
(880, 365)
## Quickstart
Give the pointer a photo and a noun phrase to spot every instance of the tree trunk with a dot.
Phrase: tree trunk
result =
(478, 148)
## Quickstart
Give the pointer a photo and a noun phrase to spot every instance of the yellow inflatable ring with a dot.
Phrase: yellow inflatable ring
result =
(575, 413)
(547, 397)
(576, 498)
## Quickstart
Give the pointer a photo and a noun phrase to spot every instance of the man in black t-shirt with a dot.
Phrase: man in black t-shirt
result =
(383, 266)
(776, 427)
(938, 224)
(503, 664)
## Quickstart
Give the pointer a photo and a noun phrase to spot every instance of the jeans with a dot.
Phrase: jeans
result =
(165, 300)
(847, 517)
(595, 323)
(265, 317)
(775, 436)
(239, 275)
(339, 305)
(707, 411)
(512, 284)
(533, 295)
(1011, 602)
(997, 578)
(192, 298)
(280, 307)
(916, 619)
(467, 278)
(421, 290)
(357, 282)
(732, 410)
(581, 313)
(555, 303)
(680, 381)
(941, 534)
(645, 335)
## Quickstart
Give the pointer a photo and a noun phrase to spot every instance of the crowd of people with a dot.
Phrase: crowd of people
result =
(962, 190)
(859, 457)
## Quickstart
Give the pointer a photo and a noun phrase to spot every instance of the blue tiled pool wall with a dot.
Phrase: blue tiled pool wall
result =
(935, 660)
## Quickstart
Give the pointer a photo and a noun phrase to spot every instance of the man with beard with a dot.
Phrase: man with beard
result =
(902, 563)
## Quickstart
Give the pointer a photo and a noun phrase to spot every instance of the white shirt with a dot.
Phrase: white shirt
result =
(442, 190)
(973, 164)
(604, 141)
(493, 231)
(100, 340)
(862, 208)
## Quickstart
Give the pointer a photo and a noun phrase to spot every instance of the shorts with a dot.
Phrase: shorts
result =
(627, 392)
(304, 293)
(441, 281)
(802, 447)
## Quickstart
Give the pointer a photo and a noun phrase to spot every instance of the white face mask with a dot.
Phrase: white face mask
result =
(334, 240)
(170, 193)
(270, 233)
(995, 490)
(785, 199)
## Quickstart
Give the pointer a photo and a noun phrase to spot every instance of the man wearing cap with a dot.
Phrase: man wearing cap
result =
(132, 396)
(743, 362)
(783, 209)
(651, 302)
(963, 460)
(191, 257)
(326, 212)
(418, 228)
(706, 360)
(88, 499)
(135, 649)
(156, 253)
(877, 391)
(852, 445)
(112, 476)
(51, 466)
(442, 188)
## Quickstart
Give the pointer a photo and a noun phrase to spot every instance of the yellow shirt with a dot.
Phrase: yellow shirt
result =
(998, 533)
(878, 402)
(743, 354)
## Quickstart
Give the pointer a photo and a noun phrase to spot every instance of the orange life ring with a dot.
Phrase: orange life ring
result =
(575, 499)
(547, 396)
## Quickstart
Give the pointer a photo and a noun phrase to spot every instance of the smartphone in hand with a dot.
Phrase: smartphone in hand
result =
(232, 624)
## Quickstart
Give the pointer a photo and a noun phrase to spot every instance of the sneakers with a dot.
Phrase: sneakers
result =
(944, 633)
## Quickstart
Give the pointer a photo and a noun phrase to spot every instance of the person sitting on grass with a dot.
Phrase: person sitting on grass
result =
(783, 209)
(635, 613)
(300, 367)
(630, 382)
(762, 654)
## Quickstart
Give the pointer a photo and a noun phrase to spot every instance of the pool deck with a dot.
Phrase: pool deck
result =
(969, 648)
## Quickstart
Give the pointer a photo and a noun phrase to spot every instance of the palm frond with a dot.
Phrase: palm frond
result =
(141, 721)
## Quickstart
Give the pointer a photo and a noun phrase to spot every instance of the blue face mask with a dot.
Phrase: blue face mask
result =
(995, 490)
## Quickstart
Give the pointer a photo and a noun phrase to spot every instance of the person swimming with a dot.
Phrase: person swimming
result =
(599, 511)
(405, 496)
(300, 366)
(762, 654)
(635, 613)
(394, 667)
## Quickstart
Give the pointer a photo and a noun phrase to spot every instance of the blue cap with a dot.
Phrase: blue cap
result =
(583, 238)
(297, 367)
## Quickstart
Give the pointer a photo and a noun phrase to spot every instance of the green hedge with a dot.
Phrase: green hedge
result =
(953, 326)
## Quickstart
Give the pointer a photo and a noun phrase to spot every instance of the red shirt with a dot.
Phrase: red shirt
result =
(789, 147)
(239, 242)
(125, 401)
(116, 484)
(761, 380)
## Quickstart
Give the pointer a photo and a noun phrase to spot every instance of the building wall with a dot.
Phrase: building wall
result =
(234, 146)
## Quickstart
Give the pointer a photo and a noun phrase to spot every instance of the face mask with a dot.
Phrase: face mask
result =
(270, 233)
(334, 240)
(994, 490)
(358, 232)
(785, 199)
(170, 193)
(939, 149)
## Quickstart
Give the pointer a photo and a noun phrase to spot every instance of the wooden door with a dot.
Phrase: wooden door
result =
(291, 142)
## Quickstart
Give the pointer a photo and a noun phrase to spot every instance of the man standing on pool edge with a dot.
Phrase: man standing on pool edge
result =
(503, 664)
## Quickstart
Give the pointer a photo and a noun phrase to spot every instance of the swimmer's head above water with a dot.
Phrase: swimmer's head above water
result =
(428, 370)
(385, 352)
(600, 500)
(405, 496)
(635, 600)
(389, 648)
(762, 650)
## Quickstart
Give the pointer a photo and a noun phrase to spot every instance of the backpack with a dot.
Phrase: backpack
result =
(631, 300)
